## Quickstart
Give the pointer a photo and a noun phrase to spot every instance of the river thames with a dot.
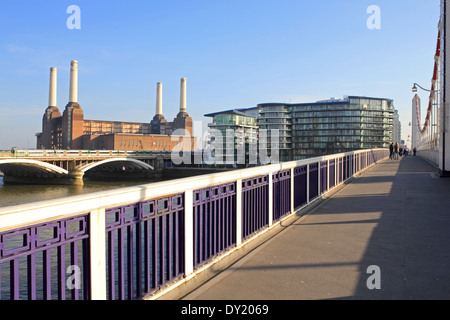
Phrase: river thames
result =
(11, 195)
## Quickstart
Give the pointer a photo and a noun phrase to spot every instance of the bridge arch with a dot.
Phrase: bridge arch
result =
(30, 166)
(117, 163)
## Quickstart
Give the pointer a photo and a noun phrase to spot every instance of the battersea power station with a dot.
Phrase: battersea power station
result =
(71, 131)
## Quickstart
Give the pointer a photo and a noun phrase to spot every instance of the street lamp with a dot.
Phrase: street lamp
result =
(414, 88)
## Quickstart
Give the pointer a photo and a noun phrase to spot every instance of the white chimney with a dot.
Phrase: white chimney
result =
(73, 93)
(183, 95)
(159, 98)
(52, 90)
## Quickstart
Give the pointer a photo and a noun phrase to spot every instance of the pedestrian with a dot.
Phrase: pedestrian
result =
(406, 150)
(400, 151)
(396, 151)
(414, 151)
(391, 150)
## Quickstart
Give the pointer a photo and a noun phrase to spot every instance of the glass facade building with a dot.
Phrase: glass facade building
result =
(332, 126)
(275, 118)
(232, 133)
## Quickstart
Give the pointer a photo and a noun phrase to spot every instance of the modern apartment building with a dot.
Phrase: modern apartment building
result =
(331, 126)
(276, 118)
(232, 133)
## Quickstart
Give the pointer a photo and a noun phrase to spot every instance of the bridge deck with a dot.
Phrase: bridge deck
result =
(395, 216)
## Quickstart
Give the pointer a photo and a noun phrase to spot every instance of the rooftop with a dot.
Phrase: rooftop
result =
(232, 111)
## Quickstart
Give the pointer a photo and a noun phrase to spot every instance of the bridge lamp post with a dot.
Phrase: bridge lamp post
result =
(415, 85)
(414, 89)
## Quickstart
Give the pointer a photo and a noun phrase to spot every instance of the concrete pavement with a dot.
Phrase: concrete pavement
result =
(389, 226)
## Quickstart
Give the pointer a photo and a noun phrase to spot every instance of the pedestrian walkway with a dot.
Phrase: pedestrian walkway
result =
(395, 216)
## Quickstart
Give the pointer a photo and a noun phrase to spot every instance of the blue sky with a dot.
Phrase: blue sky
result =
(234, 54)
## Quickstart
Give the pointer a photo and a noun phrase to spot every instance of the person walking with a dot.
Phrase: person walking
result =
(396, 151)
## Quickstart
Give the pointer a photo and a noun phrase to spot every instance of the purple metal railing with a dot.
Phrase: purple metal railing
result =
(332, 175)
(354, 157)
(313, 180)
(145, 241)
(281, 194)
(300, 187)
(145, 246)
(345, 167)
(323, 176)
(255, 203)
(376, 156)
(363, 161)
(357, 163)
(34, 261)
(214, 211)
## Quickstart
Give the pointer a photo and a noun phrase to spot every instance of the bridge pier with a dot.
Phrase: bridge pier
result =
(75, 177)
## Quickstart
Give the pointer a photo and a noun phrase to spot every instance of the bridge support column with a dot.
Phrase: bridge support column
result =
(75, 177)
(159, 163)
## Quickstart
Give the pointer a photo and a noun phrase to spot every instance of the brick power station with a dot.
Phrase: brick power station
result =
(71, 131)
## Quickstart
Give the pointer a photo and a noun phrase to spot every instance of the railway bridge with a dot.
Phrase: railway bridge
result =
(70, 166)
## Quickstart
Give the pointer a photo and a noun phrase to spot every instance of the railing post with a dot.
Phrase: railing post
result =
(336, 163)
(319, 168)
(238, 212)
(292, 190)
(351, 164)
(328, 174)
(188, 232)
(307, 183)
(365, 159)
(97, 223)
(358, 162)
(270, 202)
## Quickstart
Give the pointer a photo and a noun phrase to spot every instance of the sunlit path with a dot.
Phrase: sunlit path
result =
(394, 216)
